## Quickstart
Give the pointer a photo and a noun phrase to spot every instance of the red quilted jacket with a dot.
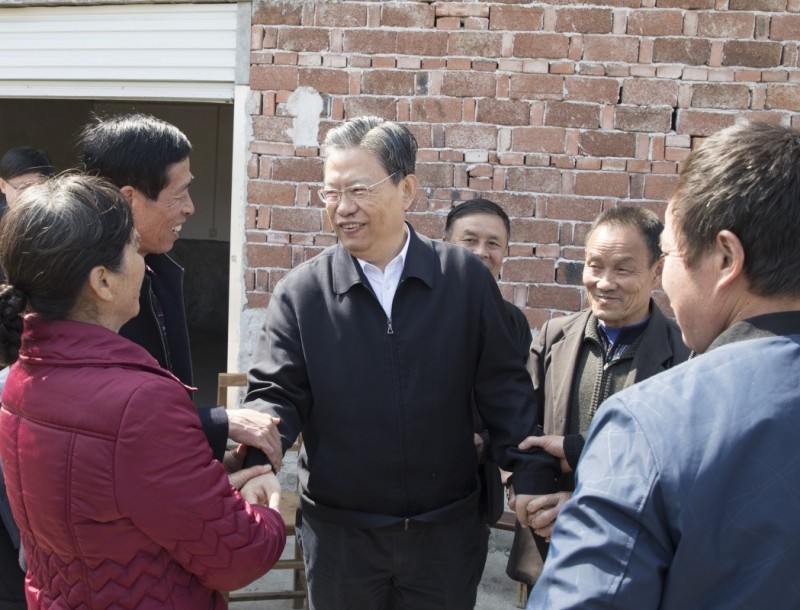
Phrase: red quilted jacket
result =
(118, 499)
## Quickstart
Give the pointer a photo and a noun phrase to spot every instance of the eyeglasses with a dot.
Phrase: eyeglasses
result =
(357, 192)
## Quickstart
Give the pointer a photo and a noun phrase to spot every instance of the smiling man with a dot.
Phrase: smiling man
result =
(148, 160)
(374, 349)
(578, 361)
(688, 487)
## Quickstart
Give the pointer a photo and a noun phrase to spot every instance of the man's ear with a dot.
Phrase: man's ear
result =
(728, 254)
(128, 192)
(409, 186)
(99, 284)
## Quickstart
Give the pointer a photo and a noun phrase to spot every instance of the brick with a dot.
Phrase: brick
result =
(324, 80)
(271, 129)
(302, 39)
(270, 193)
(654, 22)
(363, 105)
(783, 97)
(572, 208)
(785, 27)
(538, 140)
(601, 184)
(439, 175)
(338, 15)
(703, 122)
(471, 136)
(634, 118)
(533, 179)
(503, 112)
(719, 95)
(534, 230)
(541, 46)
(272, 78)
(752, 54)
(584, 20)
(757, 5)
(515, 18)
(448, 23)
(649, 92)
(388, 82)
(435, 110)
(423, 43)
(611, 48)
(297, 170)
(461, 9)
(527, 270)
(536, 86)
(469, 84)
(277, 13)
(554, 297)
(474, 44)
(570, 114)
(296, 219)
(688, 51)
(718, 24)
(660, 186)
(592, 89)
(407, 15)
(266, 255)
(607, 144)
(687, 5)
(370, 42)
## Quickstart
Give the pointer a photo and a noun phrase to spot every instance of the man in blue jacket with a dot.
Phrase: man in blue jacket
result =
(688, 486)
(374, 350)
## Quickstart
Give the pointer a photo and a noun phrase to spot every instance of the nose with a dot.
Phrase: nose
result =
(346, 205)
(606, 281)
(481, 250)
(188, 208)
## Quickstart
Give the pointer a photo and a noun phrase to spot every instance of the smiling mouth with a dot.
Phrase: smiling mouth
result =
(351, 226)
(177, 229)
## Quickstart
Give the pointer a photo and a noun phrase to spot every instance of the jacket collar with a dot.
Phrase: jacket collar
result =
(71, 343)
(767, 325)
(420, 263)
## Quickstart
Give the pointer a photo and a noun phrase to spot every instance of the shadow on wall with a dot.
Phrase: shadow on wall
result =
(205, 288)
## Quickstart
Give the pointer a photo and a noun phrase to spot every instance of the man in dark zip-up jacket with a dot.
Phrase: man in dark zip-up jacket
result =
(374, 350)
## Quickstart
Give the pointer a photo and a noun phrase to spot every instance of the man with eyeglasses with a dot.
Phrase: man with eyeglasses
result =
(373, 350)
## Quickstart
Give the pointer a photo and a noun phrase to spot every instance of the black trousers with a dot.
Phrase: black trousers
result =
(12, 578)
(424, 567)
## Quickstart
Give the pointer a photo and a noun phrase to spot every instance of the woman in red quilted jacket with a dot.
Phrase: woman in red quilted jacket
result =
(119, 501)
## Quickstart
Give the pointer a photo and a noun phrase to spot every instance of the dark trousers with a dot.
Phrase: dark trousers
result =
(12, 578)
(425, 567)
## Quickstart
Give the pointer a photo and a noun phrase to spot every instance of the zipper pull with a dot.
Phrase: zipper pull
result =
(389, 329)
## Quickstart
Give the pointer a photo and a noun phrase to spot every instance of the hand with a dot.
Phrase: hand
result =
(512, 498)
(263, 489)
(549, 443)
(543, 510)
(234, 458)
(258, 430)
(520, 504)
(478, 440)
(239, 478)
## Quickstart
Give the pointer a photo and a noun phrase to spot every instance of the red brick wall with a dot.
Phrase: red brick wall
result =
(554, 110)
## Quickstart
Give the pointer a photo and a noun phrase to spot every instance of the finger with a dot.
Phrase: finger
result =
(533, 441)
(540, 503)
(544, 532)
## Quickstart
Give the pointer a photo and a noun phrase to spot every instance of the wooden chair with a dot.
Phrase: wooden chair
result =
(288, 508)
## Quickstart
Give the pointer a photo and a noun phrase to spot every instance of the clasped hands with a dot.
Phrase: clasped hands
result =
(540, 512)
(251, 428)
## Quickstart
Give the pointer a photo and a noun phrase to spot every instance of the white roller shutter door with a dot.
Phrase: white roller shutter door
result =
(155, 51)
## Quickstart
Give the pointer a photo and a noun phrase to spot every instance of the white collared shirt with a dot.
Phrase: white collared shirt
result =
(384, 283)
